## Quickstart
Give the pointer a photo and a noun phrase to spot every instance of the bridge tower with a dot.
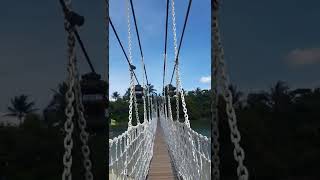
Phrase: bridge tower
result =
(94, 97)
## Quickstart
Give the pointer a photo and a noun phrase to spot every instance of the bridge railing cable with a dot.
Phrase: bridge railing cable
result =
(190, 151)
(130, 153)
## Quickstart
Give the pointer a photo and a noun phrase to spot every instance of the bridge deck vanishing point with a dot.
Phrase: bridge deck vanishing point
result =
(160, 167)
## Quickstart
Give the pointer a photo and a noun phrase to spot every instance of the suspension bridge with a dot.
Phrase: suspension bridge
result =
(160, 146)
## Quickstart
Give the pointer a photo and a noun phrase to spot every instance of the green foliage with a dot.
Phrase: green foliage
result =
(119, 110)
(198, 104)
(33, 122)
(20, 106)
(280, 132)
(54, 113)
(34, 150)
(115, 95)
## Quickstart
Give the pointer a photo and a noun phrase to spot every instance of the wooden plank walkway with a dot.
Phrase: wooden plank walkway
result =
(160, 167)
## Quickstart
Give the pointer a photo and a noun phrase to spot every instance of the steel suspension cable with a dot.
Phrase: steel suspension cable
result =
(184, 27)
(132, 67)
(67, 13)
(165, 47)
(136, 26)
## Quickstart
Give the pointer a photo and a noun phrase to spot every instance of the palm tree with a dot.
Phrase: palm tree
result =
(126, 95)
(115, 95)
(58, 101)
(198, 91)
(57, 105)
(20, 107)
(236, 96)
(151, 89)
(279, 96)
(172, 89)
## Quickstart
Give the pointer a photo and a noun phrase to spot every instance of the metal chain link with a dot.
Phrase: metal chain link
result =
(144, 108)
(184, 106)
(238, 152)
(144, 92)
(132, 81)
(69, 111)
(131, 72)
(173, 15)
(215, 97)
(149, 103)
(84, 136)
(136, 108)
(179, 89)
(169, 105)
(178, 80)
(165, 106)
(131, 99)
(74, 93)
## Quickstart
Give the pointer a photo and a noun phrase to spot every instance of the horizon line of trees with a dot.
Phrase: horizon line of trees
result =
(278, 98)
(280, 132)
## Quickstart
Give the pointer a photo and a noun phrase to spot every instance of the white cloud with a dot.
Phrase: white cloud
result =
(304, 56)
(205, 79)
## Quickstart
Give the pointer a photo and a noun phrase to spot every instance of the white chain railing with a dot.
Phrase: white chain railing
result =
(69, 111)
(130, 153)
(184, 143)
(82, 123)
(74, 95)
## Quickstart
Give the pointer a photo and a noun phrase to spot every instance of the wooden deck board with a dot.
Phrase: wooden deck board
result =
(160, 167)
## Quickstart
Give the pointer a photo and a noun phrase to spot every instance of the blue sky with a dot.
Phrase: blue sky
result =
(194, 54)
(264, 41)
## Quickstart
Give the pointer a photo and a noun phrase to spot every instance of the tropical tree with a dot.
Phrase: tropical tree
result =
(260, 99)
(172, 89)
(126, 95)
(236, 96)
(279, 96)
(115, 95)
(151, 89)
(198, 91)
(20, 107)
(55, 111)
(58, 102)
